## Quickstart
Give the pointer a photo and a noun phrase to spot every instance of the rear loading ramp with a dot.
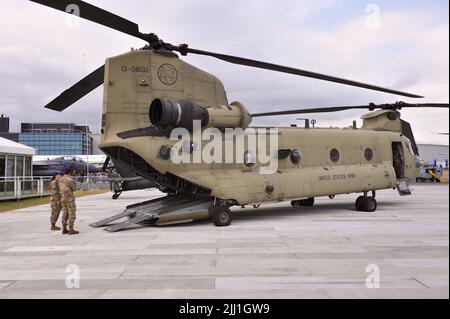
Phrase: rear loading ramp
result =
(171, 209)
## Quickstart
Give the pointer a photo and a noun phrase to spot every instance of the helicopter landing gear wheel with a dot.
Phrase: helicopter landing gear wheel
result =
(222, 216)
(303, 202)
(370, 204)
(116, 195)
(308, 202)
(359, 203)
(366, 204)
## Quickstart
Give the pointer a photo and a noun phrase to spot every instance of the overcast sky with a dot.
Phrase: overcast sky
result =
(401, 44)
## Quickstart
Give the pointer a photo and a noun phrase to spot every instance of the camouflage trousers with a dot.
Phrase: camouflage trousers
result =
(69, 208)
(55, 205)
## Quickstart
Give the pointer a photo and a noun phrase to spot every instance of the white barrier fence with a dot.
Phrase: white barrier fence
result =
(23, 187)
(26, 187)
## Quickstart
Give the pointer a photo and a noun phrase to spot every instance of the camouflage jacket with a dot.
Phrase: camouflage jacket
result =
(67, 186)
(54, 188)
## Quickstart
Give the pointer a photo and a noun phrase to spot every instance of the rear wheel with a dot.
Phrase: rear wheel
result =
(221, 216)
(308, 202)
(116, 195)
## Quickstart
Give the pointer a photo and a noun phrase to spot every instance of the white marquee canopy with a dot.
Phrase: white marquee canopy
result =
(10, 147)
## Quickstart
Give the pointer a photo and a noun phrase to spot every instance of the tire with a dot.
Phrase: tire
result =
(308, 202)
(222, 216)
(294, 203)
(370, 204)
(359, 203)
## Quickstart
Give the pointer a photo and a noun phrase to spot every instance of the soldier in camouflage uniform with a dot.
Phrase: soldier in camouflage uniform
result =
(67, 186)
(55, 201)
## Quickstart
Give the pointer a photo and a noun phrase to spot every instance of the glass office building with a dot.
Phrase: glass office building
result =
(57, 138)
(55, 143)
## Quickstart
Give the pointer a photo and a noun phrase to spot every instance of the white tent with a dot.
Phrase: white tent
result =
(10, 147)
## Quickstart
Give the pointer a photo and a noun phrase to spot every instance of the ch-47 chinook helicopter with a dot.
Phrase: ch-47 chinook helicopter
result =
(151, 91)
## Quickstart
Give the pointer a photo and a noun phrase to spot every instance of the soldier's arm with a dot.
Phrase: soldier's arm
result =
(73, 185)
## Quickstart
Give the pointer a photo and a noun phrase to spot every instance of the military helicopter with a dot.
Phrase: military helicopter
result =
(148, 93)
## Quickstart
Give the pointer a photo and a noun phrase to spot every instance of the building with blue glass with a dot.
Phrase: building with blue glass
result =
(51, 138)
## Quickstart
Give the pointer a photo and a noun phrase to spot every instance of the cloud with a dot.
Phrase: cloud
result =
(40, 56)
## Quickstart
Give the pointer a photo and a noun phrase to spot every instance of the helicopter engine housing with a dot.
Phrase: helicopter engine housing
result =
(182, 113)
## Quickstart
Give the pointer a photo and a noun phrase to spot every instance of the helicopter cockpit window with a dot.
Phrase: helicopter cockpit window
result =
(249, 159)
(334, 155)
(368, 154)
(409, 147)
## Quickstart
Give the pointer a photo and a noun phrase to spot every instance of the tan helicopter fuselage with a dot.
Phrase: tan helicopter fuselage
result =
(133, 80)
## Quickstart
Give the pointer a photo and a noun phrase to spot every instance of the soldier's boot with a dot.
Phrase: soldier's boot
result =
(64, 230)
(73, 231)
(54, 227)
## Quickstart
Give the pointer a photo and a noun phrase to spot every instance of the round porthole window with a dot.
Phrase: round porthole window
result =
(296, 157)
(249, 159)
(334, 155)
(368, 154)
(269, 189)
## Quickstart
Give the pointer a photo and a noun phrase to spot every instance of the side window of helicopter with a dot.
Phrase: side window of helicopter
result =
(368, 154)
(296, 157)
(334, 155)
(249, 159)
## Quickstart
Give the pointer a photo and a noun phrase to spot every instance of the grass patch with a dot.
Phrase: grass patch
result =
(8, 205)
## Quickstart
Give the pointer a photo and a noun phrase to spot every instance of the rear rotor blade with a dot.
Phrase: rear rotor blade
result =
(98, 15)
(371, 107)
(94, 14)
(78, 90)
(286, 69)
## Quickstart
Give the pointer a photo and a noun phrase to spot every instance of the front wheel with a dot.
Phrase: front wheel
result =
(222, 216)
(370, 204)
(359, 203)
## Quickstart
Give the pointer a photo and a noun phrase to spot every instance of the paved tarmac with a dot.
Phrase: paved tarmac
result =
(275, 251)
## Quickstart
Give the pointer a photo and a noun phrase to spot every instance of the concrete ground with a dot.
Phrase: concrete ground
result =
(274, 251)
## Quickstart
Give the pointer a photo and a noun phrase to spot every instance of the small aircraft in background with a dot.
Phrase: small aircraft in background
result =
(60, 164)
(94, 164)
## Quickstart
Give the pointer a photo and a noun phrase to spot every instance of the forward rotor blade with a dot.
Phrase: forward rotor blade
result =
(311, 110)
(395, 106)
(78, 90)
(286, 69)
(94, 14)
